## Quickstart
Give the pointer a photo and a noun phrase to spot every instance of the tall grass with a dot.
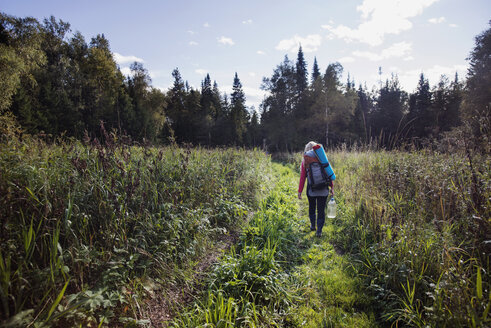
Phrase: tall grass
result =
(249, 287)
(86, 228)
(417, 225)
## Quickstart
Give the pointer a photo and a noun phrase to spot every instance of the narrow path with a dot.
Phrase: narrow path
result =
(332, 294)
(280, 275)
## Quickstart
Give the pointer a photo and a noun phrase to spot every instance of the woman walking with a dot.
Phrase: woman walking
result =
(317, 197)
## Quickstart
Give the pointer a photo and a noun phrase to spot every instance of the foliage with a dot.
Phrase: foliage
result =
(85, 226)
(249, 286)
(416, 228)
(20, 54)
(477, 110)
(62, 85)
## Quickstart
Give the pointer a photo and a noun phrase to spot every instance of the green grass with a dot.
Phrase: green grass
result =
(87, 228)
(415, 225)
(280, 275)
(89, 232)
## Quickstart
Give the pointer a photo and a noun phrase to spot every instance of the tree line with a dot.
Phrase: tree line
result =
(59, 84)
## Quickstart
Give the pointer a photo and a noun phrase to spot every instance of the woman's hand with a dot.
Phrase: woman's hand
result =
(299, 195)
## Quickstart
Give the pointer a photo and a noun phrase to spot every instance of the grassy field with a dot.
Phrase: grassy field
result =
(417, 228)
(101, 235)
(88, 232)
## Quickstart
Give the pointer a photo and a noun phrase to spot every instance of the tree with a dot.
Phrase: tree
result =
(277, 107)
(360, 123)
(101, 86)
(420, 114)
(253, 130)
(387, 117)
(476, 109)
(336, 114)
(207, 114)
(300, 72)
(452, 117)
(238, 112)
(148, 104)
(221, 130)
(176, 108)
(20, 54)
(315, 71)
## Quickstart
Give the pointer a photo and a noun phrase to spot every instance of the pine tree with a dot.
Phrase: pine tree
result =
(176, 110)
(360, 124)
(207, 114)
(238, 111)
(301, 72)
(477, 109)
(386, 120)
(420, 114)
(277, 108)
(452, 116)
(315, 71)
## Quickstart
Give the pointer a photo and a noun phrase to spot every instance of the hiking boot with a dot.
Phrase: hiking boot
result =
(318, 234)
(312, 228)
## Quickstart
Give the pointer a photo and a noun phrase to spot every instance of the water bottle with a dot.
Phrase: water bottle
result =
(331, 208)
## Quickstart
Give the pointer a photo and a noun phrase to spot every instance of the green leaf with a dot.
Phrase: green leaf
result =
(57, 301)
(479, 284)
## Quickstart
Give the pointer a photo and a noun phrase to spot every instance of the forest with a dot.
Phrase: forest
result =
(55, 83)
(123, 205)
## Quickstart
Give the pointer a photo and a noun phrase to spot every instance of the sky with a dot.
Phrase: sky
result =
(222, 37)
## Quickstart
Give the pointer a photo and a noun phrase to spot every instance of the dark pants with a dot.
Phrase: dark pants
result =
(318, 202)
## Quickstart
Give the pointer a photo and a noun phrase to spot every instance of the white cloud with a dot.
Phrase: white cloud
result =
(253, 74)
(400, 49)
(193, 43)
(409, 58)
(380, 17)
(191, 32)
(254, 96)
(409, 79)
(309, 43)
(435, 20)
(453, 25)
(397, 50)
(260, 52)
(206, 24)
(201, 71)
(163, 89)
(345, 60)
(126, 71)
(368, 55)
(156, 74)
(249, 21)
(225, 40)
(121, 60)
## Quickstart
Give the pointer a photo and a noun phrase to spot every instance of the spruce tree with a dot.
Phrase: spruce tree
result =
(477, 100)
(420, 113)
(238, 111)
(301, 72)
(315, 71)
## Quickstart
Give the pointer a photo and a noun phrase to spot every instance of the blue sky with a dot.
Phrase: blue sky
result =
(404, 37)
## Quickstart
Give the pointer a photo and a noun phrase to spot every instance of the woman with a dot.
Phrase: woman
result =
(317, 198)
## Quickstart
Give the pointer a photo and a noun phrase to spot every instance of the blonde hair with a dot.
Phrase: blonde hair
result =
(310, 145)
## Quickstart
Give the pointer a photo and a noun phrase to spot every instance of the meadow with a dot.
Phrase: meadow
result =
(96, 233)
(89, 230)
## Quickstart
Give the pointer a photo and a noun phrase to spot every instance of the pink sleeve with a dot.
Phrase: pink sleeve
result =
(303, 175)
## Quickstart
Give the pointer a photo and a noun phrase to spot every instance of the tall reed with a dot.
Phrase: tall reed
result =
(81, 222)
(418, 226)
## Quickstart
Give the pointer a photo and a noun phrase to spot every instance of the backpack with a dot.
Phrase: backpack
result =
(317, 176)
